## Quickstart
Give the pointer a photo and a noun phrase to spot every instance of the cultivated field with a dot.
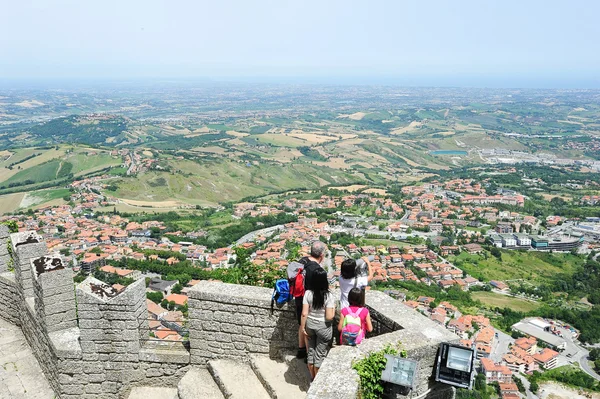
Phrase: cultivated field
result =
(493, 300)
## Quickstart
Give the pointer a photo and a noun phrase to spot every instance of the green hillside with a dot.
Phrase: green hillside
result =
(86, 130)
(224, 181)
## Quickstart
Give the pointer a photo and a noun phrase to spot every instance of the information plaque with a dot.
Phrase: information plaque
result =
(400, 371)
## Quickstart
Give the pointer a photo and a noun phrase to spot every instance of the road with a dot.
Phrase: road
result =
(501, 344)
(252, 235)
(585, 366)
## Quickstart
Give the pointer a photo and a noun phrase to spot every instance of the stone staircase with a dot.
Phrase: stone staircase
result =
(259, 378)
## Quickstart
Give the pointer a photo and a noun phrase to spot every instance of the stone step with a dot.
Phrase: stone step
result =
(299, 367)
(237, 380)
(198, 384)
(153, 393)
(281, 380)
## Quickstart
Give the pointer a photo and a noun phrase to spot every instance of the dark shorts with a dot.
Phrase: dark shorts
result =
(299, 308)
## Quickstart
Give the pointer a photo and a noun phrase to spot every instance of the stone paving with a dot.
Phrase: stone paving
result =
(20, 374)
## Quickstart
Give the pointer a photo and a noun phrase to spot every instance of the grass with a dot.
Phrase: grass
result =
(84, 163)
(41, 198)
(280, 140)
(212, 182)
(46, 155)
(492, 300)
(10, 202)
(39, 173)
(386, 242)
(529, 265)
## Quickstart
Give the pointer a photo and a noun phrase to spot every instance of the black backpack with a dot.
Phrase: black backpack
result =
(310, 266)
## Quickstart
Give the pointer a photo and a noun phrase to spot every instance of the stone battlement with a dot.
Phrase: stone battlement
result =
(94, 342)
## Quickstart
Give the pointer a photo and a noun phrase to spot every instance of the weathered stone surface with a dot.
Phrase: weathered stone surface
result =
(20, 373)
(198, 383)
(228, 374)
(153, 393)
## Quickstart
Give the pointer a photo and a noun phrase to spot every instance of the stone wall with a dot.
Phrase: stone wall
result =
(402, 328)
(101, 353)
(233, 321)
(4, 255)
(9, 308)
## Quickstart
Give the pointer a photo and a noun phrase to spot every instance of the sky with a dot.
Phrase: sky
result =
(524, 43)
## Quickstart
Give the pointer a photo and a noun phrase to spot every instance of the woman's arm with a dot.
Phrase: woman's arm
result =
(303, 318)
(371, 271)
(341, 323)
(369, 324)
(329, 313)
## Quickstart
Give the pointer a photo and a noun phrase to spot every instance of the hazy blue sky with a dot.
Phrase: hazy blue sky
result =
(395, 40)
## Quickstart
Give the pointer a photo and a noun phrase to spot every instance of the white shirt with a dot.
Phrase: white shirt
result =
(347, 285)
(318, 314)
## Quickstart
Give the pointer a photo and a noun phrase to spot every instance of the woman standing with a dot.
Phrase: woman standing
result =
(350, 279)
(318, 309)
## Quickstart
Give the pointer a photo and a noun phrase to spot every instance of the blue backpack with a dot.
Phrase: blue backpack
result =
(281, 293)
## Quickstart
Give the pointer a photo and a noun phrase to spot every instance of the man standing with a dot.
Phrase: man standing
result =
(311, 264)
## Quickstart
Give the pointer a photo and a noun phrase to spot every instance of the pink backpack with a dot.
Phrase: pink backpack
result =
(352, 332)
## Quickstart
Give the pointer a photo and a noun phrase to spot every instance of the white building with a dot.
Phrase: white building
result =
(523, 240)
(508, 240)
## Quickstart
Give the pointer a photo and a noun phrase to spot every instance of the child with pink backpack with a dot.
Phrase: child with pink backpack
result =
(355, 321)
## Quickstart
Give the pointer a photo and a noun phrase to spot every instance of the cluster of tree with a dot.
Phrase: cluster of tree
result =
(585, 281)
(568, 375)
(113, 278)
(230, 234)
(456, 296)
(480, 390)
(178, 142)
(595, 357)
(242, 272)
(311, 153)
(70, 130)
(10, 166)
(161, 253)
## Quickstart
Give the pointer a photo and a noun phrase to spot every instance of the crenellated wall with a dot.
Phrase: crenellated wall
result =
(92, 342)
(9, 298)
(90, 348)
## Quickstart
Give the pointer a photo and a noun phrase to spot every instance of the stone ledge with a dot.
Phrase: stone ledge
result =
(8, 278)
(65, 343)
(419, 336)
(164, 355)
(247, 295)
(405, 317)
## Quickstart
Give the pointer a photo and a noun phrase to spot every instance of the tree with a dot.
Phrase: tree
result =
(177, 288)
(155, 297)
(480, 383)
(534, 387)
(496, 252)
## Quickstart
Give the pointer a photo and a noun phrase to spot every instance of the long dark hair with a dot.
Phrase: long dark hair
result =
(355, 297)
(320, 288)
(348, 270)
